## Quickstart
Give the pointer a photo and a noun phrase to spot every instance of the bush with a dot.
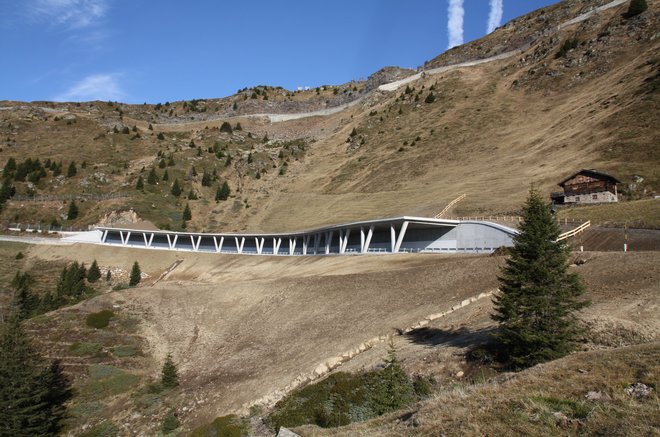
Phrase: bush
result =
(99, 320)
(170, 423)
(568, 45)
(226, 127)
(124, 351)
(20, 255)
(430, 98)
(636, 7)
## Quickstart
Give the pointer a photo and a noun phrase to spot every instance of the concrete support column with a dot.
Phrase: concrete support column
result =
(276, 245)
(328, 241)
(306, 239)
(392, 238)
(292, 245)
(317, 242)
(148, 242)
(259, 244)
(239, 246)
(172, 241)
(402, 233)
(367, 242)
(218, 246)
(344, 241)
(104, 236)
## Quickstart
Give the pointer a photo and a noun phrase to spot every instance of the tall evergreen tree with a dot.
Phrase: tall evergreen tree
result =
(32, 396)
(94, 273)
(71, 171)
(187, 214)
(166, 176)
(169, 375)
(152, 178)
(24, 302)
(136, 275)
(73, 211)
(140, 184)
(222, 192)
(393, 389)
(538, 297)
(176, 188)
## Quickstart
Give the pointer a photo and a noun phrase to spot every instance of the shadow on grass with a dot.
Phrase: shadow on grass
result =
(461, 337)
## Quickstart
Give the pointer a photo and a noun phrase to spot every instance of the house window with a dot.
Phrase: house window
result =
(594, 196)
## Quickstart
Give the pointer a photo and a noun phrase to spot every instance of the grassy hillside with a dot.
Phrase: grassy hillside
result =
(488, 131)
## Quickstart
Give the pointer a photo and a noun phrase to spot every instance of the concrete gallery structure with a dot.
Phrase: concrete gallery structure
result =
(394, 235)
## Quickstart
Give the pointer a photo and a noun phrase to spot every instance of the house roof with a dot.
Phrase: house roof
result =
(592, 173)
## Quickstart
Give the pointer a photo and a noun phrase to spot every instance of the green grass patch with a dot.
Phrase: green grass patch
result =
(106, 380)
(85, 348)
(124, 351)
(572, 409)
(225, 426)
(99, 320)
(103, 429)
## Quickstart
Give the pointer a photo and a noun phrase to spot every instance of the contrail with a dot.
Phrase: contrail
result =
(455, 23)
(495, 15)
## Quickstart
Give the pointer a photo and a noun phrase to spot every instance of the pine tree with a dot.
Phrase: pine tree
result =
(169, 374)
(176, 189)
(636, 7)
(73, 211)
(140, 184)
(32, 396)
(152, 178)
(393, 389)
(538, 297)
(24, 303)
(136, 275)
(94, 273)
(166, 176)
(71, 171)
(187, 214)
(222, 192)
(108, 275)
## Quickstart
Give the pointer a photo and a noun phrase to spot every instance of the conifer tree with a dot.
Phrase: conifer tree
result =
(136, 275)
(73, 211)
(393, 389)
(108, 275)
(94, 273)
(140, 184)
(166, 176)
(176, 189)
(187, 214)
(169, 374)
(222, 192)
(152, 178)
(32, 396)
(538, 297)
(71, 171)
(24, 302)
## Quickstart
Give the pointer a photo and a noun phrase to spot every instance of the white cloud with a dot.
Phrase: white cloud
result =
(455, 23)
(495, 15)
(70, 13)
(94, 87)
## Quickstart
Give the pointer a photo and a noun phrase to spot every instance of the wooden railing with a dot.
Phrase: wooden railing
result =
(448, 207)
(574, 232)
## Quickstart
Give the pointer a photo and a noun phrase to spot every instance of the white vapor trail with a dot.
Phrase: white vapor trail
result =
(455, 23)
(495, 15)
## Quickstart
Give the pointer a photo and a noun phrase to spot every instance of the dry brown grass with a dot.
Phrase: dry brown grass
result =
(635, 214)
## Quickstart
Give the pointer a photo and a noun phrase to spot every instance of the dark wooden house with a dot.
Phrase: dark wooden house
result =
(587, 186)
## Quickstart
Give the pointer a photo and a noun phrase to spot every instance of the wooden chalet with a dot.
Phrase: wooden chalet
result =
(587, 186)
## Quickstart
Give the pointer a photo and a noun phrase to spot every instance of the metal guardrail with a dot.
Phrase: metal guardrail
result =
(40, 228)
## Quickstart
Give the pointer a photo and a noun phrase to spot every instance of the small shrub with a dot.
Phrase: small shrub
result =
(568, 45)
(636, 7)
(99, 320)
(170, 423)
(20, 255)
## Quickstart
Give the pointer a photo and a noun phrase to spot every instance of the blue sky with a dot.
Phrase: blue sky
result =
(155, 51)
